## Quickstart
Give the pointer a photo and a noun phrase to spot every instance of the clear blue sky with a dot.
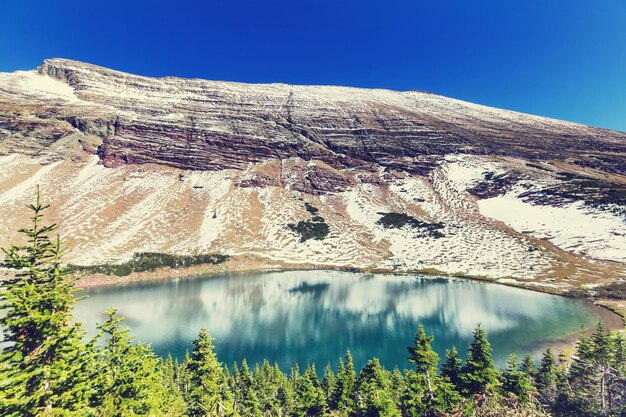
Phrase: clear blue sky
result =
(564, 59)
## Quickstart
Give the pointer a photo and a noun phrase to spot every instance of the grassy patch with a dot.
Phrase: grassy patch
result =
(149, 261)
(313, 228)
(394, 220)
(316, 228)
(311, 209)
(614, 290)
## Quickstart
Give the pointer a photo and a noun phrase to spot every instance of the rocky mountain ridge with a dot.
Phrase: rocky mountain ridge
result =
(198, 124)
(190, 166)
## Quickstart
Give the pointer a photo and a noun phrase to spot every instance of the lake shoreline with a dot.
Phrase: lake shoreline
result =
(612, 317)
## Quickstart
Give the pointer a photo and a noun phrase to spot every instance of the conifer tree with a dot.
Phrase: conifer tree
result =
(343, 394)
(425, 360)
(414, 397)
(528, 367)
(182, 375)
(597, 376)
(245, 396)
(295, 375)
(373, 392)
(286, 394)
(425, 390)
(310, 395)
(451, 369)
(45, 366)
(169, 373)
(516, 381)
(130, 377)
(547, 378)
(267, 383)
(328, 381)
(206, 378)
(397, 384)
(478, 372)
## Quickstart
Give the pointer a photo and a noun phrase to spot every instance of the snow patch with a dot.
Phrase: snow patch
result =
(34, 84)
(575, 227)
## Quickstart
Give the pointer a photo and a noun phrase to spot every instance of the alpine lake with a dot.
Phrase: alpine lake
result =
(315, 316)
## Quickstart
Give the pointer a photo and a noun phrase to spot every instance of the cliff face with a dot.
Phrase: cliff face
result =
(226, 166)
(198, 124)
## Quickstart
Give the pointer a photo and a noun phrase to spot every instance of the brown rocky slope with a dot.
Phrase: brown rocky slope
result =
(315, 175)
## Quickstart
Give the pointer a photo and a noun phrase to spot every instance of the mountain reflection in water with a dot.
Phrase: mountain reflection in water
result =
(314, 316)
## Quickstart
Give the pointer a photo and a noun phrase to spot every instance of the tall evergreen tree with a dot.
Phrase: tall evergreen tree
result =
(425, 390)
(597, 376)
(397, 384)
(547, 378)
(310, 395)
(131, 380)
(516, 381)
(528, 367)
(182, 375)
(342, 398)
(286, 394)
(268, 381)
(451, 368)
(479, 372)
(425, 359)
(245, 396)
(206, 378)
(328, 381)
(373, 392)
(45, 366)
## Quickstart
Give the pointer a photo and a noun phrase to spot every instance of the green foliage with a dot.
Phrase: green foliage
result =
(373, 392)
(394, 220)
(342, 398)
(130, 380)
(45, 366)
(597, 376)
(426, 390)
(528, 367)
(479, 373)
(245, 395)
(425, 360)
(269, 383)
(516, 381)
(328, 381)
(423, 356)
(546, 380)
(451, 369)
(316, 228)
(149, 261)
(205, 378)
(310, 395)
(313, 228)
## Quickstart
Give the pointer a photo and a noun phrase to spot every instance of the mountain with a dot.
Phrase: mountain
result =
(311, 176)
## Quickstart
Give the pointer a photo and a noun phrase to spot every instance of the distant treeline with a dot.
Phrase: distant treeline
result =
(149, 261)
(48, 367)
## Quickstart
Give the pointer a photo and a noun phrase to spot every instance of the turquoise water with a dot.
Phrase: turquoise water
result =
(314, 316)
